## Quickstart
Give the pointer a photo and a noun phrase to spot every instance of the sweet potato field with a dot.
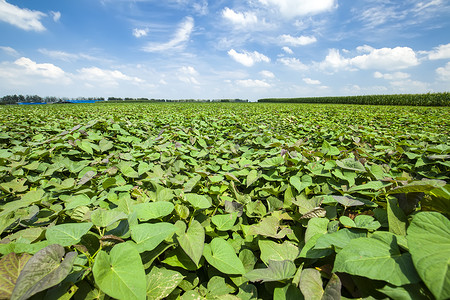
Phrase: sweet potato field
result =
(224, 201)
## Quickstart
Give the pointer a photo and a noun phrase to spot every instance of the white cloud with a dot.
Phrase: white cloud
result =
(387, 59)
(382, 59)
(9, 51)
(45, 70)
(105, 77)
(334, 60)
(440, 52)
(178, 41)
(297, 41)
(248, 59)
(293, 63)
(311, 81)
(287, 50)
(201, 8)
(56, 15)
(65, 56)
(252, 83)
(188, 74)
(240, 19)
(21, 17)
(140, 32)
(294, 8)
(410, 86)
(391, 76)
(267, 74)
(444, 72)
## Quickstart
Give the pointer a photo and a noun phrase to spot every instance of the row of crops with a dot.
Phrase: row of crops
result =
(430, 99)
(224, 201)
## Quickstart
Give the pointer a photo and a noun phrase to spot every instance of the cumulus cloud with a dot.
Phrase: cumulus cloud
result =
(440, 52)
(444, 72)
(188, 74)
(387, 58)
(334, 60)
(179, 39)
(295, 8)
(267, 74)
(297, 41)
(311, 81)
(382, 59)
(56, 15)
(293, 63)
(140, 32)
(21, 17)
(248, 59)
(105, 77)
(9, 51)
(252, 83)
(287, 50)
(240, 19)
(45, 70)
(391, 76)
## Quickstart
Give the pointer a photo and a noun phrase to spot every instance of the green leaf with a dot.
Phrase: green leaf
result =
(10, 267)
(288, 292)
(67, 234)
(300, 184)
(121, 274)
(28, 199)
(218, 287)
(104, 218)
(351, 164)
(311, 284)
(374, 259)
(149, 236)
(193, 241)
(252, 177)
(396, 217)
(276, 271)
(418, 186)
(277, 252)
(429, 244)
(360, 221)
(198, 201)
(153, 210)
(127, 170)
(348, 201)
(371, 185)
(220, 254)
(269, 226)
(161, 282)
(333, 288)
(316, 226)
(272, 162)
(224, 222)
(339, 239)
(45, 269)
(191, 183)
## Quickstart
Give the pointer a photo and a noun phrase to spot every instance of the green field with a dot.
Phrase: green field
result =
(224, 201)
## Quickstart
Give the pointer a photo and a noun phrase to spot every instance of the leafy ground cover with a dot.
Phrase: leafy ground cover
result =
(224, 201)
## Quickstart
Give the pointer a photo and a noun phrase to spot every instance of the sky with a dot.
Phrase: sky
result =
(200, 49)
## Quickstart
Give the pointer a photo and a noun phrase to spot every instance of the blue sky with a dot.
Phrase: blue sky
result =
(250, 49)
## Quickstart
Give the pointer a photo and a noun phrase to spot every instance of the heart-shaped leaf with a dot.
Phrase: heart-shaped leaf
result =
(45, 269)
(121, 274)
(192, 242)
(67, 234)
(429, 243)
(148, 236)
(220, 254)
